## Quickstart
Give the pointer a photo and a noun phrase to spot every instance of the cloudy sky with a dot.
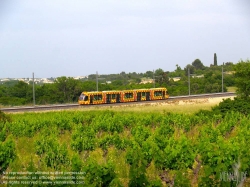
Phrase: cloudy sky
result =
(55, 38)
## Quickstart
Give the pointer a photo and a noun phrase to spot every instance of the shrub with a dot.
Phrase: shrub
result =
(4, 118)
(236, 105)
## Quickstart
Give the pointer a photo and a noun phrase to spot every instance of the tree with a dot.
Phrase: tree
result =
(215, 88)
(149, 74)
(191, 69)
(46, 94)
(20, 89)
(197, 64)
(195, 88)
(177, 73)
(215, 59)
(161, 76)
(178, 68)
(242, 81)
(67, 88)
(159, 72)
(123, 73)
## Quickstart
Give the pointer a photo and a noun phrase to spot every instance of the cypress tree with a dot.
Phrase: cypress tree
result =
(215, 59)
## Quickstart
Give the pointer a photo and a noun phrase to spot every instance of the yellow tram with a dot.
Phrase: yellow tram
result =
(113, 96)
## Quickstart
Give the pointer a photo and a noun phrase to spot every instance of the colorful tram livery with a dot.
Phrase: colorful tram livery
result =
(106, 97)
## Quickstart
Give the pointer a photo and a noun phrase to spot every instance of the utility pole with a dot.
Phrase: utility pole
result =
(188, 81)
(222, 79)
(96, 81)
(34, 100)
(154, 78)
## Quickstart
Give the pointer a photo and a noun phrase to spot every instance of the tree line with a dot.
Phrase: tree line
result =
(67, 90)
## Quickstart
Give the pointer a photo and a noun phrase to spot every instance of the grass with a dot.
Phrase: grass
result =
(24, 146)
(231, 89)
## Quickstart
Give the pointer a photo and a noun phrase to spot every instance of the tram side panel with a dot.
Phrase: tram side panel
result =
(127, 96)
(142, 95)
(158, 93)
(112, 97)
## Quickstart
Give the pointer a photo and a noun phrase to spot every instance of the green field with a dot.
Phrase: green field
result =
(128, 146)
(231, 89)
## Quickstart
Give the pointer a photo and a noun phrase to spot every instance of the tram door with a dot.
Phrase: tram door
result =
(147, 96)
(108, 98)
(138, 96)
(118, 98)
(163, 95)
(91, 99)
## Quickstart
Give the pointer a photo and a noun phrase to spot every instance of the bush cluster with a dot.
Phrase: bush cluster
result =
(237, 104)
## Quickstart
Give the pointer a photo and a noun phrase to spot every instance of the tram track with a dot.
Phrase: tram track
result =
(77, 106)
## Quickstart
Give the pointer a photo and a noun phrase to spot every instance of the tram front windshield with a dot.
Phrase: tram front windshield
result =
(83, 97)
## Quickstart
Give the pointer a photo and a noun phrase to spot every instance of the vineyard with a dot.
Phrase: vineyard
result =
(114, 148)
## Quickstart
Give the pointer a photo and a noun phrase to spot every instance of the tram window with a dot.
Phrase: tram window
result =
(86, 98)
(113, 96)
(128, 95)
(143, 94)
(158, 93)
(97, 97)
(81, 97)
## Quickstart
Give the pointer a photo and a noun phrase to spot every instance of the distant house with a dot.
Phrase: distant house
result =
(197, 76)
(229, 72)
(3, 80)
(176, 79)
(21, 80)
(46, 81)
(80, 77)
(145, 81)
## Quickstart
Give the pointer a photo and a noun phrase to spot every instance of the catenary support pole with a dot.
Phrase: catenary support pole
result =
(188, 81)
(154, 78)
(96, 81)
(222, 79)
(34, 99)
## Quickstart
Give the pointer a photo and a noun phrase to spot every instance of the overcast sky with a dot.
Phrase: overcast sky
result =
(55, 38)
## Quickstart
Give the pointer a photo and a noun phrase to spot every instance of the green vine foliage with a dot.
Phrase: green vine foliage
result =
(7, 153)
(83, 138)
(2, 133)
(149, 149)
(99, 175)
(53, 154)
(4, 117)
(7, 145)
(135, 159)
